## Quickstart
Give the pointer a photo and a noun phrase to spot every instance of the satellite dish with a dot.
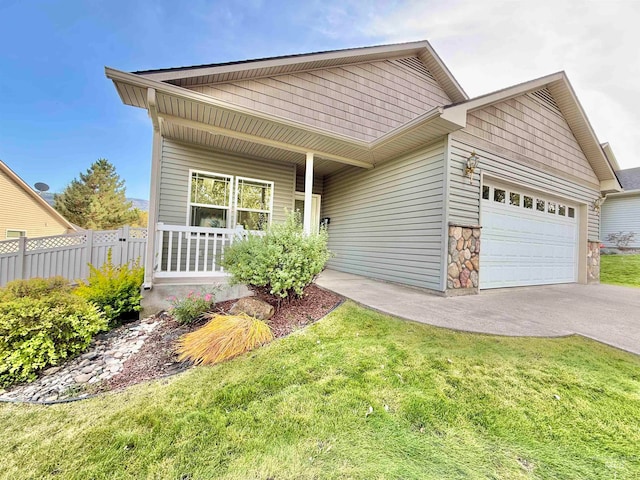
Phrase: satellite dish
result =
(41, 187)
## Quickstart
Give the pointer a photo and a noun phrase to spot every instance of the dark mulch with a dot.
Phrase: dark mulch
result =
(157, 357)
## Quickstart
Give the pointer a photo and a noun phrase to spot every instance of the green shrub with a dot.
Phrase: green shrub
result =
(282, 262)
(36, 332)
(33, 288)
(114, 289)
(193, 306)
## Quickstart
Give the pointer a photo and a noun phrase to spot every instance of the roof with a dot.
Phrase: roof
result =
(37, 198)
(560, 88)
(185, 114)
(270, 66)
(629, 178)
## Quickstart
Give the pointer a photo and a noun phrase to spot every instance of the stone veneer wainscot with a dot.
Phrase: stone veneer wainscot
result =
(593, 261)
(463, 258)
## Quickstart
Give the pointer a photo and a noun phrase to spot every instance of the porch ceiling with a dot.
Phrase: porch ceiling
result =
(192, 117)
(241, 147)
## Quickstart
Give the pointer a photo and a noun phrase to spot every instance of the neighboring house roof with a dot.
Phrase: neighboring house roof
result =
(37, 199)
(564, 96)
(630, 178)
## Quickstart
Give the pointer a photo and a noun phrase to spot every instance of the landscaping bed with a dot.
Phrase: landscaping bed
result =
(145, 350)
(158, 358)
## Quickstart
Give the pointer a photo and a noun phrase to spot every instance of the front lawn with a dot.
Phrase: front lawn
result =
(357, 395)
(620, 270)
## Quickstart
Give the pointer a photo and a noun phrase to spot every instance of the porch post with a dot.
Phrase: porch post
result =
(308, 190)
(150, 253)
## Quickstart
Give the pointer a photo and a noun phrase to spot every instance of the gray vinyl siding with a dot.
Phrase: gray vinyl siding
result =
(178, 158)
(464, 199)
(386, 223)
(621, 214)
(363, 101)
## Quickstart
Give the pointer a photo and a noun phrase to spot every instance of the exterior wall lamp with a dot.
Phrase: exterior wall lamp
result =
(597, 204)
(472, 163)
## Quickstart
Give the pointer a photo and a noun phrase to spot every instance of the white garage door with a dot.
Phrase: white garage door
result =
(527, 239)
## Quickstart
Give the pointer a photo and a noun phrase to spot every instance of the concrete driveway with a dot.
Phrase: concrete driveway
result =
(605, 313)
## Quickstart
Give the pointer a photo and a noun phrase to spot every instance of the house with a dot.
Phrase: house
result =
(418, 183)
(621, 210)
(24, 213)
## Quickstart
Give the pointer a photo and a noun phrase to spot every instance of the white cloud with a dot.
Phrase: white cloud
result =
(491, 44)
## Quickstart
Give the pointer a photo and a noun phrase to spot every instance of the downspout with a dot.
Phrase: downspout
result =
(445, 214)
(149, 264)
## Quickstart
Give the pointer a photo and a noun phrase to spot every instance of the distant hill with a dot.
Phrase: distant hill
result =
(137, 202)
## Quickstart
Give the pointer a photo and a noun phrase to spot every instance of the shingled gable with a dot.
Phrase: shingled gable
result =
(182, 113)
(272, 66)
(560, 88)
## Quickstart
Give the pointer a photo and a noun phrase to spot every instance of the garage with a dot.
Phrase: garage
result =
(527, 238)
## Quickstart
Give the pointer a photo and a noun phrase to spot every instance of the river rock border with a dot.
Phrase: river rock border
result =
(463, 259)
(593, 261)
(75, 379)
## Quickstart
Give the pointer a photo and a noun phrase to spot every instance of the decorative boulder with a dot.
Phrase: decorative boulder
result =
(253, 307)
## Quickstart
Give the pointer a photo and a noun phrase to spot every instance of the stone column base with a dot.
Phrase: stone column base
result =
(463, 260)
(593, 262)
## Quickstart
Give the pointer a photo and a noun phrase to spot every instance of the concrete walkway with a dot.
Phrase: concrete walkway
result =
(605, 313)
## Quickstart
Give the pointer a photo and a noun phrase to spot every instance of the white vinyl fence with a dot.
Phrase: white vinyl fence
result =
(69, 255)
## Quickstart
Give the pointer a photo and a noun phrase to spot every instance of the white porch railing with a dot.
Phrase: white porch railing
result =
(183, 251)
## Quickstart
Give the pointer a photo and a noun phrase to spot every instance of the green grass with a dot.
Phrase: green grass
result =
(620, 270)
(458, 405)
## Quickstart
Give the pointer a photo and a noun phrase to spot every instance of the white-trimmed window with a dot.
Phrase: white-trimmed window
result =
(224, 201)
(15, 233)
(210, 199)
(254, 203)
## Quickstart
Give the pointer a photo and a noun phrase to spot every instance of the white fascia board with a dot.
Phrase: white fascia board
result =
(613, 161)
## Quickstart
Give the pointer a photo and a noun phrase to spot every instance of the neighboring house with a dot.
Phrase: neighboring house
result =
(24, 213)
(375, 141)
(621, 211)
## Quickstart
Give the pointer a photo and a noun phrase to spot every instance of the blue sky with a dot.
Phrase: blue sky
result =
(58, 112)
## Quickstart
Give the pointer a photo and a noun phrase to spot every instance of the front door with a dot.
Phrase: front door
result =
(315, 210)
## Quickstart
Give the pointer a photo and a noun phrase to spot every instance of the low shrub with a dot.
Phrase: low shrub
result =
(193, 306)
(37, 331)
(281, 262)
(224, 337)
(115, 289)
(33, 288)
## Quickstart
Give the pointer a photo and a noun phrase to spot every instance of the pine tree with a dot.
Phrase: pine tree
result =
(97, 199)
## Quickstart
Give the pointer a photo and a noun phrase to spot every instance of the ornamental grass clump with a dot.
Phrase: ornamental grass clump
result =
(280, 263)
(224, 337)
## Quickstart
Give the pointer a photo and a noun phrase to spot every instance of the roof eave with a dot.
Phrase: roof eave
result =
(430, 123)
